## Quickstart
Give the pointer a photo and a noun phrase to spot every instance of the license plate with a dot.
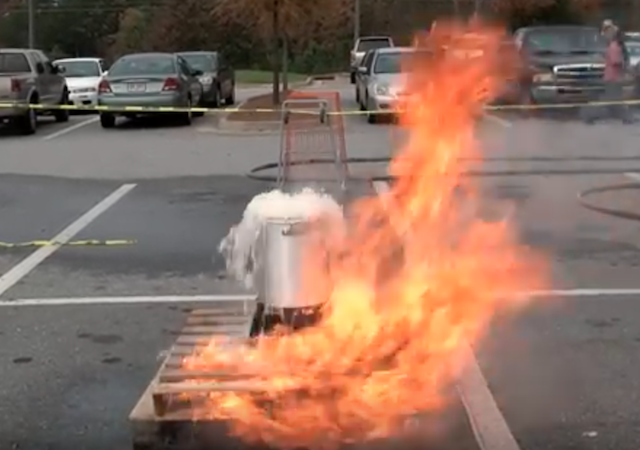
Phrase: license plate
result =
(137, 87)
(570, 91)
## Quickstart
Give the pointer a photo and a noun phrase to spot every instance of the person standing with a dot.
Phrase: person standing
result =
(614, 71)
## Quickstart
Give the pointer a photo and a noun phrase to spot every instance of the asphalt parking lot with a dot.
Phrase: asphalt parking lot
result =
(562, 372)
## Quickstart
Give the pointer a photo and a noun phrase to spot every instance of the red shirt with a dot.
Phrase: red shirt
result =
(614, 62)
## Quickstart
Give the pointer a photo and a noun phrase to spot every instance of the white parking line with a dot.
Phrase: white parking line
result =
(633, 176)
(24, 267)
(148, 299)
(489, 425)
(70, 129)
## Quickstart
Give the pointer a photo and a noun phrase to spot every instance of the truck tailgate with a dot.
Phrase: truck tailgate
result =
(5, 87)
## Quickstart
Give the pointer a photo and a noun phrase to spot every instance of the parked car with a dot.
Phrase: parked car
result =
(27, 76)
(363, 45)
(218, 78)
(562, 64)
(381, 84)
(149, 80)
(83, 75)
(632, 41)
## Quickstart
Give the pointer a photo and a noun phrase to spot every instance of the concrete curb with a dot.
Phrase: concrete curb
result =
(244, 128)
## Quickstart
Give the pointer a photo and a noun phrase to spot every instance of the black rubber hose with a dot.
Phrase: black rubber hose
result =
(255, 173)
(622, 214)
(582, 196)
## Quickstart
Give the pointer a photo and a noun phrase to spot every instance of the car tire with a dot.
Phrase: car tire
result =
(231, 99)
(525, 98)
(62, 115)
(371, 117)
(107, 120)
(186, 118)
(215, 102)
(27, 123)
(200, 105)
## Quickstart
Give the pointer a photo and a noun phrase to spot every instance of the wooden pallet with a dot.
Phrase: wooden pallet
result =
(161, 419)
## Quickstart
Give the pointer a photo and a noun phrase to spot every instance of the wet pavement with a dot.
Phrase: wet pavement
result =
(561, 371)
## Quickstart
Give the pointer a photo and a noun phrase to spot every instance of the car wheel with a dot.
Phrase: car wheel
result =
(215, 102)
(186, 117)
(107, 120)
(28, 122)
(526, 100)
(231, 99)
(62, 115)
(200, 105)
(371, 116)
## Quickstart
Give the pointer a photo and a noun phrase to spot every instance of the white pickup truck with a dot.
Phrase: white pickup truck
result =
(361, 46)
(28, 77)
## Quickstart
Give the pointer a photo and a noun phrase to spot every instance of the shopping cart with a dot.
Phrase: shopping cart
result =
(312, 147)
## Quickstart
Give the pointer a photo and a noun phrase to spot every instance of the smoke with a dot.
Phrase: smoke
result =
(239, 246)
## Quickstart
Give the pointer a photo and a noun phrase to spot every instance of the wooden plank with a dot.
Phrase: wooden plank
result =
(209, 330)
(193, 340)
(162, 389)
(231, 325)
(221, 332)
(182, 350)
(172, 375)
(215, 320)
(215, 312)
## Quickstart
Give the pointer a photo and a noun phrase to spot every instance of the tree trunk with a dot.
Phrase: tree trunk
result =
(275, 60)
(285, 65)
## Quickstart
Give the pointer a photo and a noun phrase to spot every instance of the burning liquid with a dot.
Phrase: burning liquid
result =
(389, 343)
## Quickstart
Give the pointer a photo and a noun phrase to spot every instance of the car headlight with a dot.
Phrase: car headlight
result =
(542, 77)
(381, 89)
(541, 74)
(206, 80)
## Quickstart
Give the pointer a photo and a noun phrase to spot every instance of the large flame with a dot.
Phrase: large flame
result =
(417, 277)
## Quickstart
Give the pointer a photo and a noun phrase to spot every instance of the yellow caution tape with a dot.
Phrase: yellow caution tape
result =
(86, 242)
(171, 109)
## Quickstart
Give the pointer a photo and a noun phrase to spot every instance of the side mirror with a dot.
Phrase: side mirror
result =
(58, 69)
(362, 70)
(40, 68)
(105, 73)
(197, 73)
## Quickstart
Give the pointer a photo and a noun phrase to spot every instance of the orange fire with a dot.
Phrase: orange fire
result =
(417, 277)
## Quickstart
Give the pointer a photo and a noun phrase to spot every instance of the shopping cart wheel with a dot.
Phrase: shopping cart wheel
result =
(323, 115)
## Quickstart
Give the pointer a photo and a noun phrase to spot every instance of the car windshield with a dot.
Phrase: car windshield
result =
(79, 69)
(13, 63)
(634, 48)
(565, 40)
(205, 63)
(388, 63)
(372, 44)
(143, 65)
(632, 37)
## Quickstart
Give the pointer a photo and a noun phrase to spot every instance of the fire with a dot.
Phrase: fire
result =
(416, 278)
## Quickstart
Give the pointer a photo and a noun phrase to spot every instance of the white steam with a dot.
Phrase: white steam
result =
(239, 246)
